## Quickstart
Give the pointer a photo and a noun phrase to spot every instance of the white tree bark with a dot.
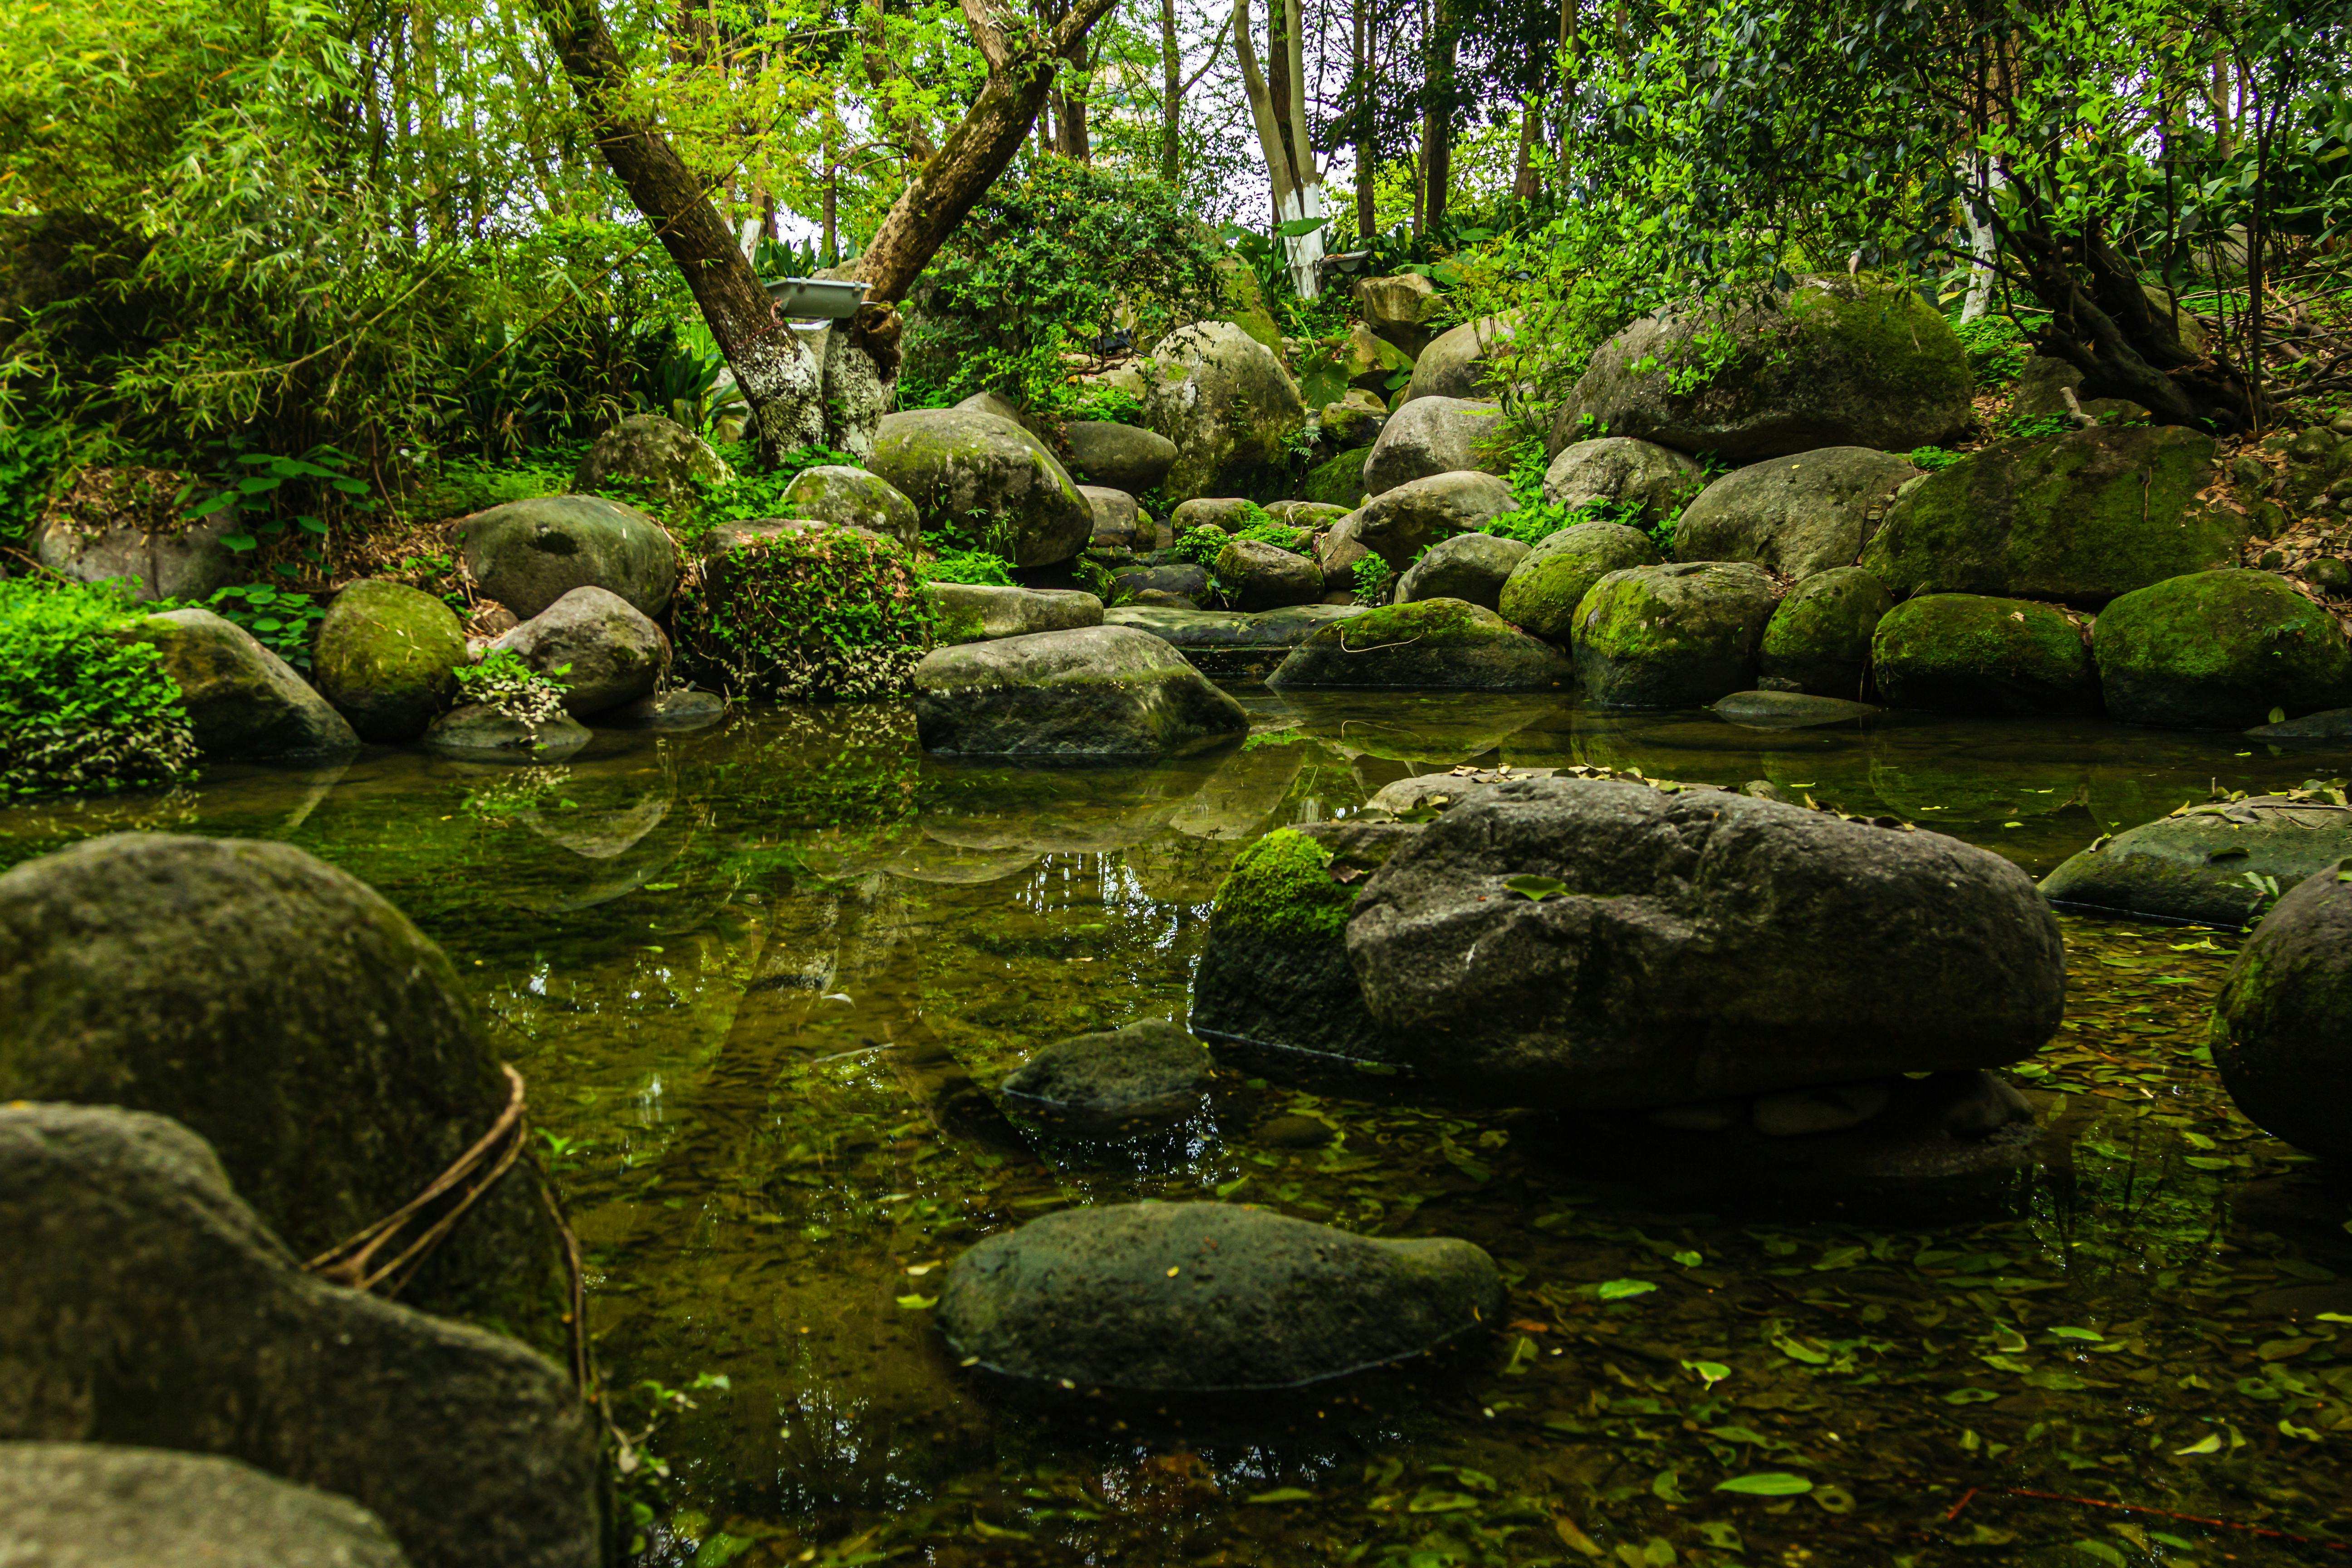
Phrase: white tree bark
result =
(1297, 191)
(1305, 250)
(1982, 240)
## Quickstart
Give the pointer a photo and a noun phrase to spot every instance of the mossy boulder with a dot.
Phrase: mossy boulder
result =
(1116, 1081)
(1819, 639)
(1339, 481)
(107, 1505)
(1397, 525)
(1429, 645)
(244, 703)
(976, 612)
(527, 554)
(1124, 457)
(658, 455)
(2078, 518)
(1223, 398)
(1261, 576)
(1835, 362)
(2208, 865)
(2280, 1038)
(2220, 650)
(1543, 590)
(979, 473)
(1968, 653)
(847, 496)
(1672, 637)
(1472, 567)
(1642, 477)
(296, 1020)
(387, 659)
(1803, 513)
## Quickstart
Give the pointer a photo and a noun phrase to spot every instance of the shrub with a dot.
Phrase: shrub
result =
(1373, 580)
(819, 613)
(1932, 457)
(1997, 351)
(80, 708)
(504, 683)
(1110, 404)
(957, 565)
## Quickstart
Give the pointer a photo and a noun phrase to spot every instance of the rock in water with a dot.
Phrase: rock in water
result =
(1803, 513)
(1137, 1077)
(1436, 435)
(659, 454)
(679, 708)
(1124, 457)
(1642, 475)
(2211, 865)
(527, 554)
(2219, 650)
(1206, 1298)
(1226, 401)
(387, 657)
(1963, 653)
(478, 732)
(1672, 637)
(978, 611)
(973, 471)
(1837, 361)
(144, 1303)
(96, 1505)
(243, 700)
(2279, 1036)
(1544, 589)
(1819, 639)
(1790, 711)
(299, 1023)
(852, 497)
(1094, 694)
(607, 653)
(2078, 518)
(1227, 644)
(1471, 567)
(1429, 645)
(1664, 948)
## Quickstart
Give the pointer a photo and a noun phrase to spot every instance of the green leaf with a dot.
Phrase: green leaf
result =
(1710, 1373)
(1536, 888)
(1766, 1483)
(1666, 1487)
(2209, 1443)
(1622, 1289)
(2099, 1551)
(1283, 1494)
(1970, 1396)
(1299, 225)
(919, 1303)
(240, 542)
(1796, 1350)
(1441, 1502)
(2069, 1333)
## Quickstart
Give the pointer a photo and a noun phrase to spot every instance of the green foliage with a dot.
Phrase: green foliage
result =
(1933, 457)
(29, 458)
(1201, 545)
(1374, 580)
(1532, 524)
(504, 683)
(2036, 426)
(1095, 578)
(80, 708)
(1110, 404)
(1997, 348)
(953, 565)
(1048, 261)
(757, 489)
(260, 494)
(825, 614)
(284, 622)
(1265, 529)
(1529, 463)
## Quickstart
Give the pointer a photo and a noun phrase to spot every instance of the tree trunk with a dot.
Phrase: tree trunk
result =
(1072, 101)
(1278, 108)
(1366, 95)
(1525, 188)
(1171, 66)
(1437, 115)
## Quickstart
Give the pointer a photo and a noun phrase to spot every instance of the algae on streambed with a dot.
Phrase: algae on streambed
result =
(763, 981)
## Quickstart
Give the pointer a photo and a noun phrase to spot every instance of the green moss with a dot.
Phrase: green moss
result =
(1340, 482)
(824, 615)
(1965, 653)
(388, 656)
(1543, 590)
(1887, 325)
(2221, 649)
(1281, 889)
(1820, 636)
(1433, 621)
(2077, 518)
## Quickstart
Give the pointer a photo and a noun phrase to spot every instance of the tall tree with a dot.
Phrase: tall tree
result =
(1277, 101)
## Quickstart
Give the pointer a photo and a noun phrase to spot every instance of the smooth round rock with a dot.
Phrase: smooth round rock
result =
(1142, 1075)
(597, 645)
(1678, 636)
(1806, 512)
(1124, 457)
(852, 497)
(679, 709)
(1790, 711)
(1640, 476)
(243, 701)
(964, 470)
(1471, 567)
(1399, 523)
(2282, 1024)
(1819, 639)
(1544, 589)
(2211, 865)
(387, 657)
(2220, 650)
(659, 454)
(1094, 693)
(479, 733)
(1204, 1298)
(1965, 653)
(1436, 435)
(1261, 576)
(527, 554)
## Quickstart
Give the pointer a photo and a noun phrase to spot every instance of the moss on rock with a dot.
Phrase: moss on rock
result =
(1543, 590)
(387, 659)
(1280, 890)
(1339, 481)
(1966, 653)
(1672, 637)
(1442, 645)
(2220, 649)
(1820, 636)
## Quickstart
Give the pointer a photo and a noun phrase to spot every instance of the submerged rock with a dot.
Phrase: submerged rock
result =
(1812, 949)
(480, 733)
(1964, 653)
(2211, 865)
(144, 1303)
(1205, 1298)
(244, 703)
(2333, 724)
(527, 554)
(1790, 711)
(1099, 692)
(682, 708)
(1672, 637)
(2279, 1037)
(2219, 650)
(1146, 1074)
(387, 657)
(298, 1022)
(1429, 645)
(1544, 589)
(1819, 639)
(100, 1505)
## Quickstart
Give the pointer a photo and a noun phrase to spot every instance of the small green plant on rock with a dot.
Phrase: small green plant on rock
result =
(82, 707)
(503, 683)
(1374, 581)
(1931, 458)
(1108, 405)
(825, 614)
(953, 564)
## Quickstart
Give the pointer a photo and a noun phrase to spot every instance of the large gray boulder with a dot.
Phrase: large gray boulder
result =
(124, 525)
(1400, 308)
(2205, 864)
(1204, 1297)
(969, 471)
(100, 1505)
(982, 611)
(1642, 477)
(1687, 946)
(1436, 435)
(1545, 588)
(1836, 362)
(298, 1022)
(1819, 639)
(659, 455)
(1398, 524)
(527, 554)
(1118, 521)
(387, 657)
(1261, 576)
(1797, 515)
(1460, 363)
(144, 1303)
(2079, 518)
(1430, 644)
(1226, 401)
(852, 497)
(1124, 457)
(606, 653)
(1471, 567)
(1096, 693)
(2278, 1026)
(1672, 637)
(244, 703)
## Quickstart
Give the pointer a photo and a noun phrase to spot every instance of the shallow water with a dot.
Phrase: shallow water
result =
(761, 980)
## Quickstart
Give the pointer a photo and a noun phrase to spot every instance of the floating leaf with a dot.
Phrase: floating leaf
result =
(2209, 1443)
(2281, 1350)
(1619, 1290)
(1710, 1373)
(2066, 1333)
(1535, 890)
(1688, 1259)
(2099, 1551)
(1441, 1502)
(1720, 1535)
(1970, 1396)
(1833, 1498)
(1797, 1350)
(1574, 1539)
(1766, 1483)
(919, 1303)
(1283, 1494)
(1666, 1487)
(2060, 1382)
(2291, 1430)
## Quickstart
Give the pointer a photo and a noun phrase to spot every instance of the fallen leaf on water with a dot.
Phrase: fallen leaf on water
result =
(1766, 1483)
(1284, 1494)
(1619, 1290)
(919, 1303)
(2209, 1443)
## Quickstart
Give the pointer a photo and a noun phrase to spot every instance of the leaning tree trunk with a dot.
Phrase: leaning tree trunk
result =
(1277, 101)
